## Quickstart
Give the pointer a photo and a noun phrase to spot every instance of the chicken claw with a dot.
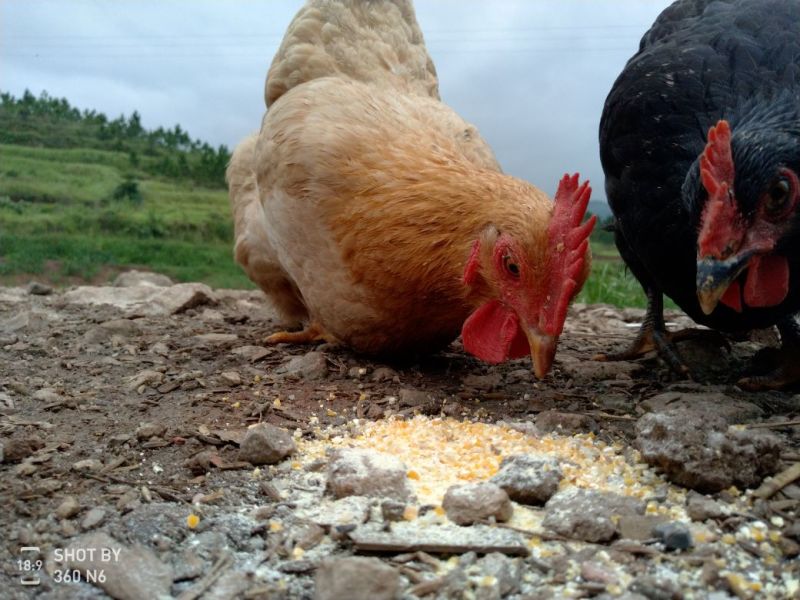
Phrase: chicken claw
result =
(312, 334)
(784, 362)
(653, 336)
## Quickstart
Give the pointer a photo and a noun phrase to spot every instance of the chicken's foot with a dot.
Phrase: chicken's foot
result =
(653, 336)
(312, 334)
(784, 362)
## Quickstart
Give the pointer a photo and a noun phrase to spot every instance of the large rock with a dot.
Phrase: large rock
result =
(144, 300)
(472, 502)
(700, 451)
(528, 478)
(312, 365)
(356, 578)
(356, 472)
(129, 573)
(733, 410)
(265, 444)
(587, 514)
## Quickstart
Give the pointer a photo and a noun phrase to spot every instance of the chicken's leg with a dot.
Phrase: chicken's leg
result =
(653, 336)
(785, 361)
(313, 333)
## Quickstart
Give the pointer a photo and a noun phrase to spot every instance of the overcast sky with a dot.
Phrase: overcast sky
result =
(532, 75)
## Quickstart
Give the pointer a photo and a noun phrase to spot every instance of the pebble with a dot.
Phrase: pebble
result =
(674, 536)
(88, 465)
(384, 374)
(47, 395)
(587, 514)
(68, 508)
(357, 472)
(36, 288)
(701, 508)
(133, 278)
(393, 511)
(470, 502)
(231, 378)
(266, 444)
(252, 353)
(93, 518)
(147, 430)
(215, 339)
(148, 377)
(17, 449)
(356, 578)
(349, 511)
(507, 572)
(561, 422)
(639, 527)
(528, 478)
(482, 383)
(699, 451)
(312, 365)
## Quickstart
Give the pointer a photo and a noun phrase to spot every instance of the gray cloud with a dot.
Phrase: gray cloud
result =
(532, 75)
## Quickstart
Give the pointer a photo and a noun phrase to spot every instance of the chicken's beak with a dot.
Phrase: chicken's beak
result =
(714, 276)
(543, 350)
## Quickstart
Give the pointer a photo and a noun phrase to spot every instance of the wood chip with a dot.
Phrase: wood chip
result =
(779, 481)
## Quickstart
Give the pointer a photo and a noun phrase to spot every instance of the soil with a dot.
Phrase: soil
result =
(111, 405)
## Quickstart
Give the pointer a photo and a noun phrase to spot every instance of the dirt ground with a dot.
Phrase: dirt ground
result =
(121, 414)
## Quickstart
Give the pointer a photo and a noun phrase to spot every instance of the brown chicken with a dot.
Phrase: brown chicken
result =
(374, 216)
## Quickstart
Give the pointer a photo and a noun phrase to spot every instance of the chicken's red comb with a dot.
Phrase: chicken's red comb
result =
(720, 217)
(568, 241)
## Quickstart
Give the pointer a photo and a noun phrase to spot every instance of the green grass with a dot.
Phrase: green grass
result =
(60, 221)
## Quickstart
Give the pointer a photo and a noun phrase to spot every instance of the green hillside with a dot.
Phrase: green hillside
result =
(82, 197)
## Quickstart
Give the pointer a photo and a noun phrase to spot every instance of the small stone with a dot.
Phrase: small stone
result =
(147, 377)
(88, 465)
(252, 353)
(231, 378)
(312, 365)
(160, 348)
(412, 397)
(36, 288)
(266, 444)
(17, 449)
(587, 514)
(565, 423)
(639, 527)
(383, 374)
(393, 511)
(701, 507)
(356, 578)
(134, 278)
(528, 478)
(483, 383)
(594, 571)
(465, 504)
(675, 536)
(655, 588)
(345, 512)
(147, 430)
(215, 339)
(68, 508)
(47, 395)
(507, 572)
(308, 535)
(357, 472)
(93, 518)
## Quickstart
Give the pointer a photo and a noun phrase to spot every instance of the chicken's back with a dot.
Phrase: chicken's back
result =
(373, 41)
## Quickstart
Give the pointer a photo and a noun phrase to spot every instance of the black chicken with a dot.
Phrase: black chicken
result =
(700, 144)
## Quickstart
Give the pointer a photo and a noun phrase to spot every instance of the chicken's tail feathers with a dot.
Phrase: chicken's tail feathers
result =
(378, 42)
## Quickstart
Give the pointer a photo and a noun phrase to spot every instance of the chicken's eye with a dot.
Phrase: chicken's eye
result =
(510, 266)
(777, 198)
